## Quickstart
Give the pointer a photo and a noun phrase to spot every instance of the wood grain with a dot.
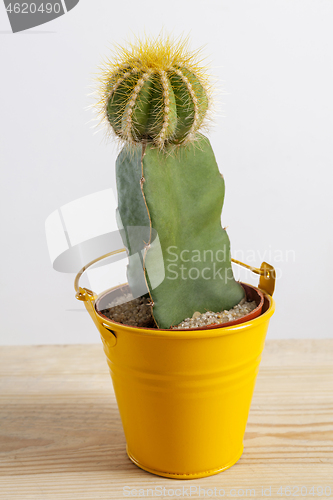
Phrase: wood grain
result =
(61, 435)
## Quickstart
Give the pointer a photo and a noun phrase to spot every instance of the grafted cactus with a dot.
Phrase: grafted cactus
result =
(170, 191)
(160, 106)
(155, 92)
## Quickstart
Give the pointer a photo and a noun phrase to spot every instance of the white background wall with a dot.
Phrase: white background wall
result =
(272, 139)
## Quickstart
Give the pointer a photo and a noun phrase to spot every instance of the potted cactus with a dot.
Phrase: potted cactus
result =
(183, 394)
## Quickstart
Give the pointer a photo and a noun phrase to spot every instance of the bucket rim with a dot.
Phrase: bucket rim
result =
(214, 331)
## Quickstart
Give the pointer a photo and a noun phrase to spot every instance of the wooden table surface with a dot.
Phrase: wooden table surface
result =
(61, 435)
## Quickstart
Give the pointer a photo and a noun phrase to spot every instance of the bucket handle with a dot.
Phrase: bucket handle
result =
(267, 276)
(88, 297)
(266, 281)
(266, 284)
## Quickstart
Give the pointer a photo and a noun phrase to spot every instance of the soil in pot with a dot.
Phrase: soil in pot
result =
(123, 308)
(128, 311)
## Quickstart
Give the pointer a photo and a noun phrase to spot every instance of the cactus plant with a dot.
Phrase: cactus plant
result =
(155, 97)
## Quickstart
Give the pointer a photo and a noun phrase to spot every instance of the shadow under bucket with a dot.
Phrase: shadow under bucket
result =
(183, 395)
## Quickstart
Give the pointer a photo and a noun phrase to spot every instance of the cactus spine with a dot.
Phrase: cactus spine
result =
(170, 191)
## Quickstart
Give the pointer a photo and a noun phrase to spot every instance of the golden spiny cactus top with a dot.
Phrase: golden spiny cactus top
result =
(154, 91)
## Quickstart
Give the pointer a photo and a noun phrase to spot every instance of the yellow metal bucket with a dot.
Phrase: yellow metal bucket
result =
(184, 396)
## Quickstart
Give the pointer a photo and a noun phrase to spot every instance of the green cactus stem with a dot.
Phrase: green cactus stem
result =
(180, 196)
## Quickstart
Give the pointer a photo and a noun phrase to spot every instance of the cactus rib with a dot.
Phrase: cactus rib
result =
(128, 114)
(195, 103)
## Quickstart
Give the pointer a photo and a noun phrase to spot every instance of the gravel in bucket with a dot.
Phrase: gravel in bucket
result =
(137, 312)
(199, 320)
(129, 311)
